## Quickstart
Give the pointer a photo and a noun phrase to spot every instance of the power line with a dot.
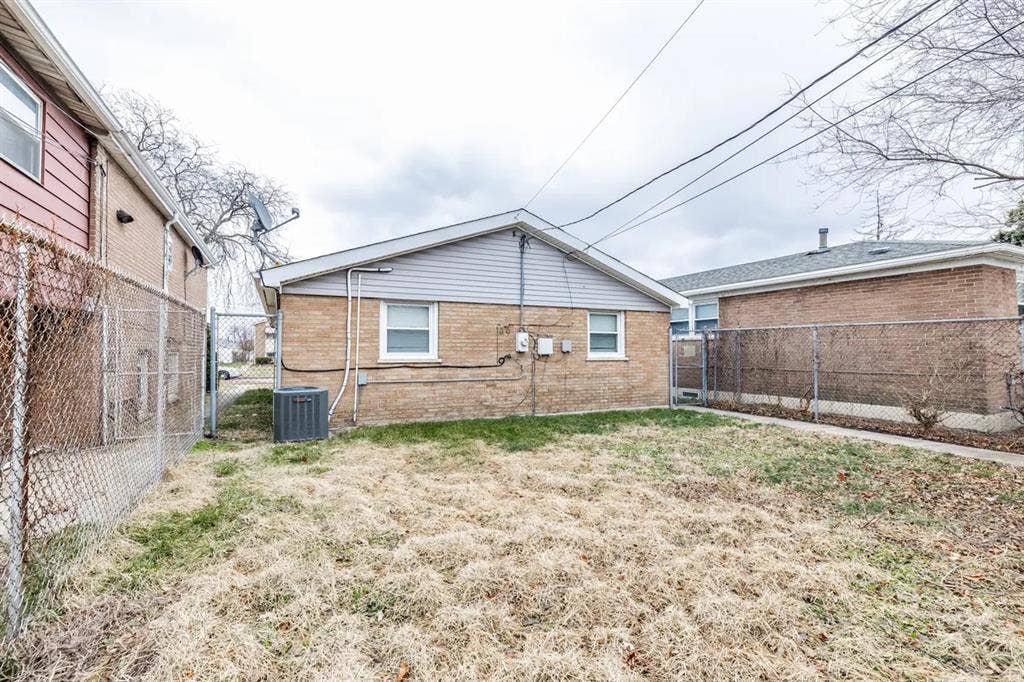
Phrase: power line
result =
(756, 123)
(831, 125)
(615, 104)
(805, 107)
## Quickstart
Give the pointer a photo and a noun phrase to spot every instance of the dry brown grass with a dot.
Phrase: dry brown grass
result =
(648, 553)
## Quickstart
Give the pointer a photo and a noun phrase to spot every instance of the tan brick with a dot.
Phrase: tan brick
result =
(474, 334)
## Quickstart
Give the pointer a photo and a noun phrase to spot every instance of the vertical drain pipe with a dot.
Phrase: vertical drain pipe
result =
(348, 335)
(161, 351)
(359, 315)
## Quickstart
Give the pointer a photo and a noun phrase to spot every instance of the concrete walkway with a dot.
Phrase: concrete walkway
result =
(891, 439)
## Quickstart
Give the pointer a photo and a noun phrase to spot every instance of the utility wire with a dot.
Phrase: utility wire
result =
(756, 123)
(805, 107)
(615, 104)
(831, 125)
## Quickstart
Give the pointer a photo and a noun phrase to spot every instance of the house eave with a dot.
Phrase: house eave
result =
(519, 219)
(101, 120)
(1005, 255)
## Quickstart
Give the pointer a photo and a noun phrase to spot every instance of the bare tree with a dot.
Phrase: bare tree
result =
(213, 194)
(949, 146)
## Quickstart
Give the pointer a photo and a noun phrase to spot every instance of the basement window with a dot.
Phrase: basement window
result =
(606, 336)
(21, 124)
(408, 332)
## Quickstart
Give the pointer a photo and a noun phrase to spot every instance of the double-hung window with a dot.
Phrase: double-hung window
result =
(606, 337)
(21, 125)
(408, 331)
(705, 316)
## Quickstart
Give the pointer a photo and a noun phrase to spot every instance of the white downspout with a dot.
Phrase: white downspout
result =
(161, 348)
(359, 315)
(348, 334)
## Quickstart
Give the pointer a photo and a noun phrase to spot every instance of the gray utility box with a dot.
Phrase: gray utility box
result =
(300, 413)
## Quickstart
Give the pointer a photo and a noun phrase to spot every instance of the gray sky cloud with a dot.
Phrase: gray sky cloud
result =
(390, 118)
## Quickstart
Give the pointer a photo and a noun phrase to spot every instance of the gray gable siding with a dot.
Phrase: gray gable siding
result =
(485, 269)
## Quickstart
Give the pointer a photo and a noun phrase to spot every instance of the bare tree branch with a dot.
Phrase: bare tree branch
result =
(949, 146)
(213, 194)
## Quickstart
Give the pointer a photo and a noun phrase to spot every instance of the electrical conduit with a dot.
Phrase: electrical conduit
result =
(348, 334)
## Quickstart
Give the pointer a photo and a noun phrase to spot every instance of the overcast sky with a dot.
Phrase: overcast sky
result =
(388, 118)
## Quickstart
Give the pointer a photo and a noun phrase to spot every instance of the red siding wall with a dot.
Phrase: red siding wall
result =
(60, 203)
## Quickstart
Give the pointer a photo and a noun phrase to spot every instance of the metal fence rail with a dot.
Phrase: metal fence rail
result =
(101, 388)
(927, 374)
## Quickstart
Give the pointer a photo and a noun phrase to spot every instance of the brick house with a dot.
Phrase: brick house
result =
(68, 170)
(70, 178)
(761, 310)
(498, 316)
(867, 281)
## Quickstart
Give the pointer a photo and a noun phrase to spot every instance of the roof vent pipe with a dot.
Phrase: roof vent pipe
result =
(823, 239)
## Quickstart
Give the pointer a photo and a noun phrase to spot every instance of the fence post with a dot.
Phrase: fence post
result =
(161, 386)
(104, 372)
(1020, 339)
(814, 367)
(737, 359)
(278, 333)
(704, 366)
(16, 473)
(213, 372)
(202, 383)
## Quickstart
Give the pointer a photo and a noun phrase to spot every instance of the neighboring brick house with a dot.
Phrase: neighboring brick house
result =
(68, 170)
(856, 283)
(69, 175)
(499, 316)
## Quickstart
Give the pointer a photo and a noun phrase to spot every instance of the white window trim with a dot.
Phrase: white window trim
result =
(385, 356)
(693, 315)
(620, 353)
(39, 127)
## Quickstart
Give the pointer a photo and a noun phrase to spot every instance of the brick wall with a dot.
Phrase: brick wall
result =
(973, 291)
(469, 333)
(965, 364)
(136, 248)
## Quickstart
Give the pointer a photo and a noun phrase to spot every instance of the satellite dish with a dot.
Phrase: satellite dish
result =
(263, 219)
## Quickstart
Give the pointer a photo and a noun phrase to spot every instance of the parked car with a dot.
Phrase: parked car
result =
(228, 373)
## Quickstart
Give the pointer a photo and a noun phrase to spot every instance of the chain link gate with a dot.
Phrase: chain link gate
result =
(687, 364)
(244, 367)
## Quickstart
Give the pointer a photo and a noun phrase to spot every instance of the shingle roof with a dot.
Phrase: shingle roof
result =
(854, 253)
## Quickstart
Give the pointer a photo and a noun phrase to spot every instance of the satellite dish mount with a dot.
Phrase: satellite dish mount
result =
(264, 223)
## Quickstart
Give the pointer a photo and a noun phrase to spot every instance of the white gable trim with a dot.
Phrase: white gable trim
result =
(521, 219)
(996, 254)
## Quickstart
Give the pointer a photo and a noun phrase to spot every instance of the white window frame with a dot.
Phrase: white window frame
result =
(429, 356)
(694, 319)
(40, 114)
(620, 326)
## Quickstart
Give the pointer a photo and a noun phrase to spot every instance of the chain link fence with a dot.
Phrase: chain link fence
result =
(100, 390)
(243, 373)
(954, 380)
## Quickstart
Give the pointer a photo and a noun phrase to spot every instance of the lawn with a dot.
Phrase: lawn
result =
(645, 545)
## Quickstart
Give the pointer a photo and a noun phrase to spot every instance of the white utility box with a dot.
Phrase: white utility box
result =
(522, 342)
(545, 346)
(566, 346)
